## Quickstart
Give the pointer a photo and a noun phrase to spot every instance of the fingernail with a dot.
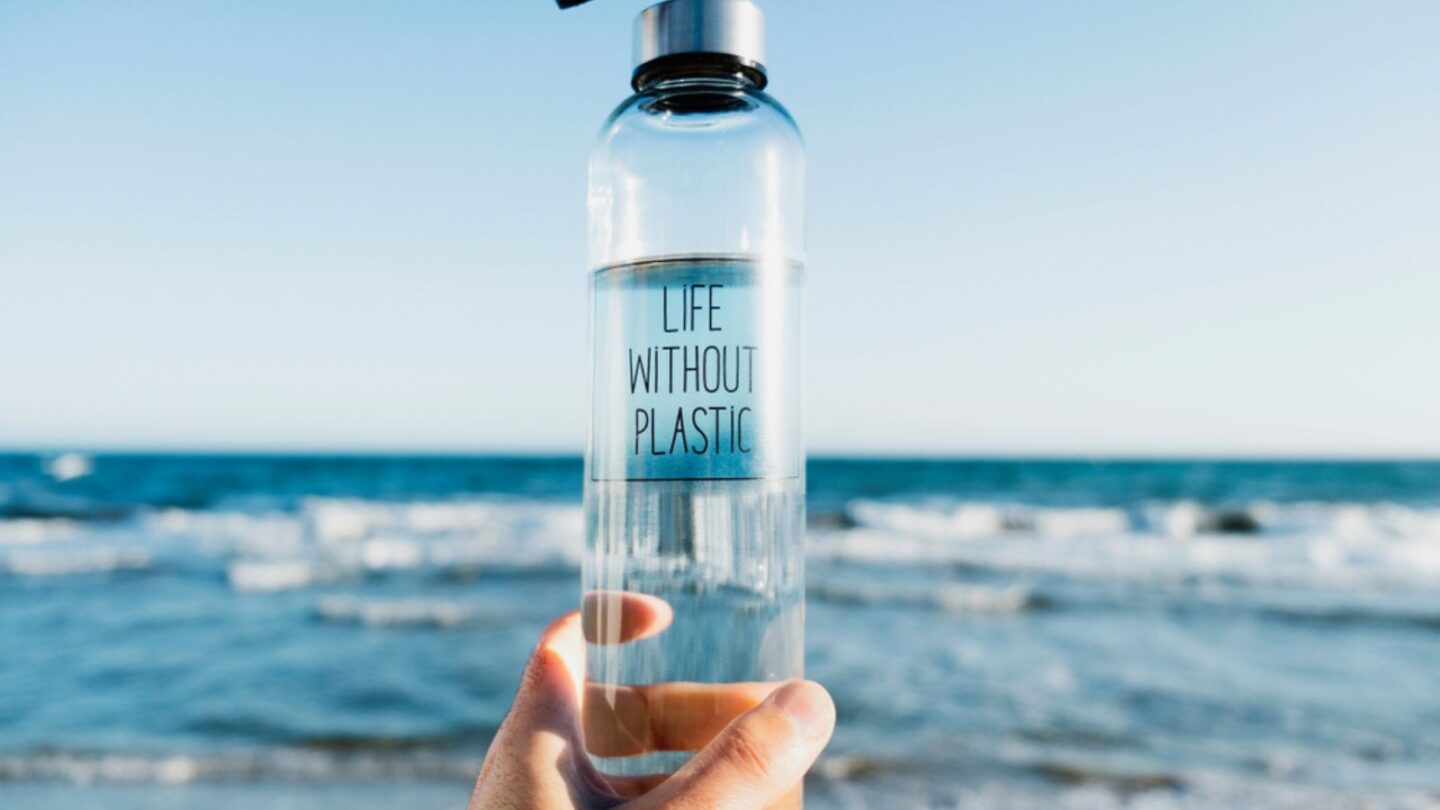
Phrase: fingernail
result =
(807, 704)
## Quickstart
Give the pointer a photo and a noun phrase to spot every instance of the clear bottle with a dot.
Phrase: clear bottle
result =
(695, 479)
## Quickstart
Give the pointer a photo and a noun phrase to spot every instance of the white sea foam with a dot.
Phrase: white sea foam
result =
(222, 532)
(71, 562)
(394, 612)
(328, 539)
(322, 540)
(842, 782)
(69, 466)
(33, 531)
(948, 598)
(1350, 546)
(289, 765)
(963, 519)
(1006, 794)
(266, 576)
(1324, 560)
(958, 519)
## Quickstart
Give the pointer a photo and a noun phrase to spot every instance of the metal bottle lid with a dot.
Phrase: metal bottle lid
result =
(725, 34)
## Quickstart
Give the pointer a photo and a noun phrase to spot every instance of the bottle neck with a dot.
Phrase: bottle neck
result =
(698, 71)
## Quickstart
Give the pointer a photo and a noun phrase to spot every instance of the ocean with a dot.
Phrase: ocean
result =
(347, 632)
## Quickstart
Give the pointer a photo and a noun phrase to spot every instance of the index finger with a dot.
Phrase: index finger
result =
(617, 617)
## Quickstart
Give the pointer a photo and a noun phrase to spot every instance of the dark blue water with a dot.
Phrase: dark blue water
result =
(315, 632)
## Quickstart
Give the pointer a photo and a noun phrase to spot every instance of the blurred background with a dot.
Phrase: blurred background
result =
(1122, 395)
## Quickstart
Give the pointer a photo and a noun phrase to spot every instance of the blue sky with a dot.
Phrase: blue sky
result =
(1050, 227)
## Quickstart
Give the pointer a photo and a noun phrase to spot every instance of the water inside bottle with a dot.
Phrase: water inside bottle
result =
(702, 532)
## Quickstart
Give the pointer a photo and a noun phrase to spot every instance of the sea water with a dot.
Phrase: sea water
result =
(1005, 634)
(695, 492)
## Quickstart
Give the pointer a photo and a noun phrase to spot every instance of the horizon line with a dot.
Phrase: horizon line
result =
(821, 455)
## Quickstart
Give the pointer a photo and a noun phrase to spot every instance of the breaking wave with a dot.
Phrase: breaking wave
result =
(1344, 546)
(1179, 519)
(321, 541)
(947, 598)
(73, 562)
(395, 612)
(325, 541)
(288, 765)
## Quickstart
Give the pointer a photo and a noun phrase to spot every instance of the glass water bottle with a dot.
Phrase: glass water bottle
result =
(695, 477)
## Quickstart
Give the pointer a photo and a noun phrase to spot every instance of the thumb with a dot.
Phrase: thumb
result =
(758, 758)
(550, 690)
(535, 750)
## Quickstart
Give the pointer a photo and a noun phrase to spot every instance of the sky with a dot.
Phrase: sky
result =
(1049, 228)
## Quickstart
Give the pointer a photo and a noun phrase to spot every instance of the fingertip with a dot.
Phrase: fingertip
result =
(617, 617)
(558, 663)
(565, 624)
(808, 705)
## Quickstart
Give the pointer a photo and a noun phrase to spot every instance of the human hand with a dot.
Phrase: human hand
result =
(538, 759)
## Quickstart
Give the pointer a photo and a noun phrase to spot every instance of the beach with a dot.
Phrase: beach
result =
(347, 631)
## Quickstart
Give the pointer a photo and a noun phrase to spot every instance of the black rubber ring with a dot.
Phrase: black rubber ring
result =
(699, 63)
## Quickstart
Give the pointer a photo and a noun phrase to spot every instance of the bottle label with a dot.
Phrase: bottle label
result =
(697, 371)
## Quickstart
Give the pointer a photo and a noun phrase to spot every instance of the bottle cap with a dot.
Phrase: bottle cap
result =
(724, 34)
